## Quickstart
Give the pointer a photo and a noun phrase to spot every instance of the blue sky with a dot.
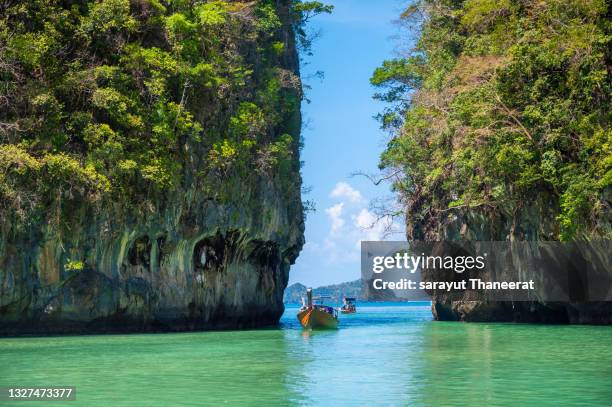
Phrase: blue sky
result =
(341, 137)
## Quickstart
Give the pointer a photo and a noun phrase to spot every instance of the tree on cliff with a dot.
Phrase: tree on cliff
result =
(105, 100)
(501, 103)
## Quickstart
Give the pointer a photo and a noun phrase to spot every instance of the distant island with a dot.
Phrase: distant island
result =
(295, 292)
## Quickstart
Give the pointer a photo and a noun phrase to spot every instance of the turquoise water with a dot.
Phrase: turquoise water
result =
(383, 355)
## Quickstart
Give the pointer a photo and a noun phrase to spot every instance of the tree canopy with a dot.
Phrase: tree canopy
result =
(110, 97)
(501, 103)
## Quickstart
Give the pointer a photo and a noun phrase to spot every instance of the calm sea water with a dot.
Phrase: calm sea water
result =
(384, 355)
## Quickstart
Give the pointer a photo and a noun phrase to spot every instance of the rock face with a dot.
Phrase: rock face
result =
(213, 254)
(468, 157)
(198, 265)
(535, 223)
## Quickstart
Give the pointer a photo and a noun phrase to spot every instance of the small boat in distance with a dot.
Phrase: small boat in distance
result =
(316, 315)
(348, 305)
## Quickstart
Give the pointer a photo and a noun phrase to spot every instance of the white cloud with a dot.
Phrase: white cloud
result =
(350, 223)
(364, 219)
(329, 244)
(369, 226)
(344, 190)
(335, 216)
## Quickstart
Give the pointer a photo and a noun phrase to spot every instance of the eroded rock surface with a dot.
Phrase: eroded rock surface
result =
(211, 253)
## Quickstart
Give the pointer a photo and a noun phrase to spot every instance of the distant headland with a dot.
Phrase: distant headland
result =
(335, 292)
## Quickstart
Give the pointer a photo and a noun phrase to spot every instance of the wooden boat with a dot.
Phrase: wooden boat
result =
(348, 305)
(313, 316)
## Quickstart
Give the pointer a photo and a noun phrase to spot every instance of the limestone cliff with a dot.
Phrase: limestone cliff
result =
(208, 246)
(535, 223)
(501, 132)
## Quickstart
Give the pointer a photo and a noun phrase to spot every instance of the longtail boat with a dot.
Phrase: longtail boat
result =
(313, 315)
(348, 305)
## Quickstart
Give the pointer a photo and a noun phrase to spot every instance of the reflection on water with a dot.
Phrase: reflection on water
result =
(383, 355)
(508, 364)
(365, 360)
(234, 368)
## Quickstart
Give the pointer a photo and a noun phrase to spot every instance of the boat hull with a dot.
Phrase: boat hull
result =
(314, 318)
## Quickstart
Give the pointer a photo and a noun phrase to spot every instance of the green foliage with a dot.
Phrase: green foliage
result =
(248, 122)
(226, 155)
(108, 15)
(501, 103)
(74, 265)
(15, 160)
(213, 14)
(302, 12)
(281, 152)
(278, 48)
(307, 9)
(106, 99)
(65, 172)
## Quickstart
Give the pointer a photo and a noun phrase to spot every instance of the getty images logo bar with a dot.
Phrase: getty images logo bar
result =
(488, 271)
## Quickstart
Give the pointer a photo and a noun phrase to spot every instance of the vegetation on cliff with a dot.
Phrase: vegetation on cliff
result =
(108, 100)
(499, 104)
(149, 163)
